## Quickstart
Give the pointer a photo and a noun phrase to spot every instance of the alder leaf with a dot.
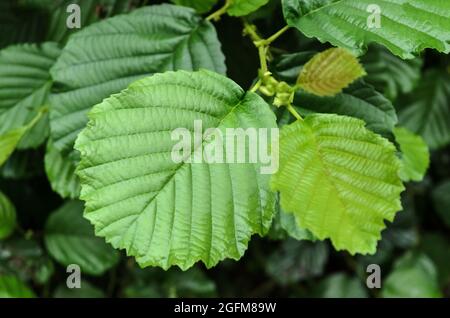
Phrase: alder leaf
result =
(243, 7)
(328, 72)
(405, 26)
(70, 239)
(339, 179)
(24, 85)
(427, 111)
(162, 212)
(12, 287)
(415, 155)
(104, 58)
(7, 217)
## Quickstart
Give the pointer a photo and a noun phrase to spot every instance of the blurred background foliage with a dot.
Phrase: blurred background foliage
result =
(414, 253)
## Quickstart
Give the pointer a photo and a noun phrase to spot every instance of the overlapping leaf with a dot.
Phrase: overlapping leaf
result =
(406, 26)
(415, 155)
(7, 217)
(106, 57)
(24, 85)
(244, 7)
(427, 110)
(70, 239)
(339, 179)
(167, 213)
(328, 72)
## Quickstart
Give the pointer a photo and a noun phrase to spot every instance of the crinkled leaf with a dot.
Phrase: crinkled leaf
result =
(201, 6)
(427, 109)
(244, 7)
(328, 72)
(60, 170)
(406, 26)
(339, 179)
(389, 74)
(415, 157)
(168, 213)
(7, 217)
(413, 276)
(24, 85)
(95, 63)
(70, 239)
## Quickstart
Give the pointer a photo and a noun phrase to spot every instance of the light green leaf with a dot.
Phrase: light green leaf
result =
(339, 179)
(413, 276)
(12, 287)
(168, 213)
(359, 100)
(389, 74)
(441, 201)
(7, 217)
(406, 26)
(296, 261)
(24, 85)
(340, 285)
(243, 7)
(60, 170)
(415, 156)
(427, 109)
(201, 6)
(328, 72)
(95, 63)
(70, 239)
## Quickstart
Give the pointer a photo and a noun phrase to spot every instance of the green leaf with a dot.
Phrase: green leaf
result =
(413, 276)
(12, 287)
(201, 6)
(7, 217)
(243, 7)
(284, 225)
(415, 156)
(359, 100)
(24, 85)
(339, 179)
(427, 109)
(60, 170)
(168, 213)
(95, 63)
(389, 74)
(328, 72)
(340, 285)
(91, 11)
(9, 142)
(70, 239)
(406, 26)
(441, 201)
(296, 261)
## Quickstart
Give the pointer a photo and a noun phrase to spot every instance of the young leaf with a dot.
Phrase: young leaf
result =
(427, 109)
(243, 7)
(70, 239)
(24, 85)
(415, 155)
(12, 287)
(167, 213)
(413, 276)
(95, 63)
(389, 74)
(201, 6)
(327, 73)
(339, 179)
(60, 170)
(7, 217)
(403, 26)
